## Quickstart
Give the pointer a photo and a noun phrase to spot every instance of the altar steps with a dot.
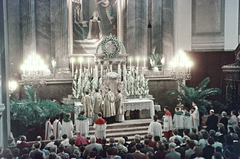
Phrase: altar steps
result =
(129, 128)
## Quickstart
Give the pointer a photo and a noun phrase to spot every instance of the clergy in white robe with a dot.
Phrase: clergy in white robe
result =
(48, 129)
(100, 127)
(155, 128)
(119, 106)
(109, 109)
(57, 128)
(67, 126)
(195, 117)
(97, 104)
(167, 123)
(88, 107)
(187, 120)
(178, 119)
(82, 124)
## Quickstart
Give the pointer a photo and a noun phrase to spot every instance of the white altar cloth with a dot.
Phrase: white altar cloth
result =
(137, 104)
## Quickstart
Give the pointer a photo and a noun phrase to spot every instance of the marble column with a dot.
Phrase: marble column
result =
(28, 27)
(59, 32)
(167, 31)
(124, 69)
(130, 33)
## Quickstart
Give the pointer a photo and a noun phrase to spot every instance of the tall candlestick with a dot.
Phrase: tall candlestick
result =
(72, 67)
(144, 62)
(91, 70)
(88, 64)
(80, 61)
(130, 63)
(137, 62)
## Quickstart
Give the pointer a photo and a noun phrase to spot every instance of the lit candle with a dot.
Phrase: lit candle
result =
(144, 62)
(130, 63)
(91, 70)
(72, 67)
(137, 62)
(88, 64)
(80, 61)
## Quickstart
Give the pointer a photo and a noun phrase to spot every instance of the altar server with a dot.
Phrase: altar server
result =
(97, 104)
(119, 106)
(48, 129)
(187, 120)
(155, 128)
(88, 107)
(178, 120)
(57, 128)
(67, 126)
(195, 117)
(82, 124)
(167, 124)
(109, 110)
(100, 128)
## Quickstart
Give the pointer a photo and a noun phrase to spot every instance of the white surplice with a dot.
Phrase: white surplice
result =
(82, 125)
(155, 128)
(48, 130)
(57, 129)
(67, 128)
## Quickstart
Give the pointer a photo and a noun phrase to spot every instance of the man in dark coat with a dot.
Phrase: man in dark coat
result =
(212, 121)
(146, 147)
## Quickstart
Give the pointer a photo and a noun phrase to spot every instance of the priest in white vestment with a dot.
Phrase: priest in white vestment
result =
(155, 128)
(57, 128)
(109, 110)
(119, 106)
(82, 124)
(195, 117)
(100, 127)
(167, 123)
(48, 129)
(67, 126)
(88, 107)
(178, 121)
(97, 104)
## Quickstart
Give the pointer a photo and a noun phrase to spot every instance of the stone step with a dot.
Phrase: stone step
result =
(128, 134)
(123, 129)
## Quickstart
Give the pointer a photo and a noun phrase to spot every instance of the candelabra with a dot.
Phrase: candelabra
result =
(34, 71)
(181, 67)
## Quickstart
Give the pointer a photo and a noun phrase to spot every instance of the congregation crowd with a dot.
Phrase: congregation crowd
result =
(218, 139)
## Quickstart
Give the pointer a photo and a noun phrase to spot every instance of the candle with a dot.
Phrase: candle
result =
(144, 62)
(91, 70)
(80, 61)
(88, 64)
(72, 67)
(137, 62)
(101, 70)
(130, 63)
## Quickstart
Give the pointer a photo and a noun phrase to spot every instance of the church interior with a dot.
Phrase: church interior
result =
(54, 51)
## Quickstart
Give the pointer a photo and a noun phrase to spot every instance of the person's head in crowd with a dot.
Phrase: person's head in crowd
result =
(64, 136)
(92, 139)
(78, 133)
(233, 112)
(155, 117)
(218, 149)
(235, 136)
(15, 152)
(37, 145)
(237, 129)
(217, 155)
(220, 125)
(193, 109)
(25, 151)
(166, 108)
(172, 146)
(228, 139)
(23, 138)
(150, 135)
(121, 141)
(6, 151)
(72, 141)
(222, 130)
(211, 111)
(38, 155)
(185, 132)
(126, 138)
(109, 89)
(198, 151)
(48, 118)
(92, 155)
(192, 136)
(129, 156)
(104, 141)
(186, 109)
(38, 138)
(111, 140)
(57, 143)
(73, 156)
(96, 90)
(132, 143)
(185, 138)
(160, 146)
(177, 142)
(52, 156)
(77, 153)
(204, 134)
(82, 113)
(149, 155)
(137, 138)
(156, 138)
(68, 115)
(230, 129)
(138, 146)
(194, 130)
(25, 156)
(212, 133)
(115, 151)
(61, 148)
(230, 155)
(99, 115)
(52, 137)
(216, 139)
(224, 114)
(165, 142)
(175, 132)
(118, 91)
(95, 150)
(210, 141)
(87, 92)
(176, 109)
(146, 142)
(109, 151)
(191, 144)
(53, 149)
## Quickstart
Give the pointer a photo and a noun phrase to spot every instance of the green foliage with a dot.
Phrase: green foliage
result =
(198, 95)
(33, 111)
